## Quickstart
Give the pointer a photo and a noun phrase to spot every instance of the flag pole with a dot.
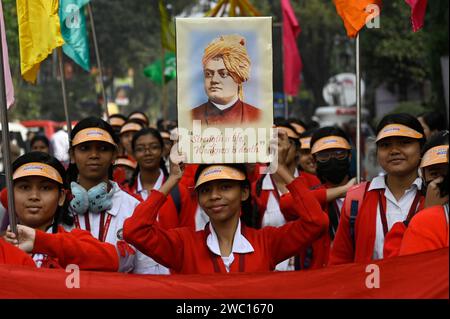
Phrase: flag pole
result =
(6, 147)
(285, 96)
(64, 92)
(164, 85)
(358, 111)
(97, 55)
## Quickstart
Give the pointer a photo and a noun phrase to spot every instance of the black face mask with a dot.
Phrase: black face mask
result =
(333, 171)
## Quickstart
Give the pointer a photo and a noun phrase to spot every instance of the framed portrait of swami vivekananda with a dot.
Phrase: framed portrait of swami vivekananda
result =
(224, 89)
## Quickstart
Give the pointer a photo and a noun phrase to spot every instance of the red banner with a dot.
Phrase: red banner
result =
(415, 276)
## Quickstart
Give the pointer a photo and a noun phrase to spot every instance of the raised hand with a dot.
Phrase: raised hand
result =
(27, 236)
(433, 196)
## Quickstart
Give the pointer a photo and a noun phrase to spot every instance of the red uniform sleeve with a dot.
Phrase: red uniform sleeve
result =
(77, 247)
(289, 239)
(287, 207)
(321, 196)
(428, 230)
(142, 231)
(12, 255)
(342, 251)
(168, 216)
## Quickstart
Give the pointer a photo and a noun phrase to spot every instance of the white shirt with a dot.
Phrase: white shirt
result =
(274, 217)
(201, 218)
(123, 206)
(396, 211)
(340, 203)
(143, 192)
(226, 106)
(39, 258)
(240, 245)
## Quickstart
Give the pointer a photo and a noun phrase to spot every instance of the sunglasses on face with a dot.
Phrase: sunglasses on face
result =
(325, 156)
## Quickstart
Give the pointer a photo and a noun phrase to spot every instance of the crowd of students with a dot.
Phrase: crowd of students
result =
(123, 205)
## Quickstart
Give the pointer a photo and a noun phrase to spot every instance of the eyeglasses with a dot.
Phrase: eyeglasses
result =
(325, 156)
(150, 149)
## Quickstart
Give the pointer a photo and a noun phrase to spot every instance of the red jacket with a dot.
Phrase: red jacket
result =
(237, 114)
(76, 247)
(428, 230)
(12, 255)
(365, 233)
(316, 256)
(185, 251)
(311, 181)
(168, 215)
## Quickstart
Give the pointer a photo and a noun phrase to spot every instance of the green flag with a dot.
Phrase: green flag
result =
(167, 29)
(73, 30)
(154, 70)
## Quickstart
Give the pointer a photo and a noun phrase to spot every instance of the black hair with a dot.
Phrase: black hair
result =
(118, 115)
(403, 119)
(308, 133)
(41, 138)
(155, 133)
(298, 122)
(328, 131)
(440, 138)
(72, 170)
(145, 123)
(249, 215)
(62, 212)
(434, 120)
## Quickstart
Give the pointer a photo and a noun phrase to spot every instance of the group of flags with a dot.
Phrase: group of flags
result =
(45, 25)
(355, 14)
(48, 24)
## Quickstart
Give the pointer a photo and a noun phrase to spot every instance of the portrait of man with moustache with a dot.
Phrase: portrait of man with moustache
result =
(226, 66)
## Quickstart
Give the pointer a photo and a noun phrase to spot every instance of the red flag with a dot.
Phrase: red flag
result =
(354, 14)
(291, 56)
(418, 9)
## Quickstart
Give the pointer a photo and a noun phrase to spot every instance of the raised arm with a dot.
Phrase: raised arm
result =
(142, 230)
(287, 240)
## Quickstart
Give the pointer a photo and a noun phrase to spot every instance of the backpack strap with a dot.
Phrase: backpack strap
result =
(354, 198)
(176, 196)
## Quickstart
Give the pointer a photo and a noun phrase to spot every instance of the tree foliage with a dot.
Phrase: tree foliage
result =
(128, 33)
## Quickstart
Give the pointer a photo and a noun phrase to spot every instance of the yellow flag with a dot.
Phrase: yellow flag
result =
(39, 34)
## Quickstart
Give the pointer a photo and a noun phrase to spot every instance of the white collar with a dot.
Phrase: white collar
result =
(115, 199)
(157, 185)
(224, 107)
(240, 244)
(267, 184)
(379, 182)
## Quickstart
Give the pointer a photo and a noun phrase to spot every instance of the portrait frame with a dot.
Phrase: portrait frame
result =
(214, 127)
